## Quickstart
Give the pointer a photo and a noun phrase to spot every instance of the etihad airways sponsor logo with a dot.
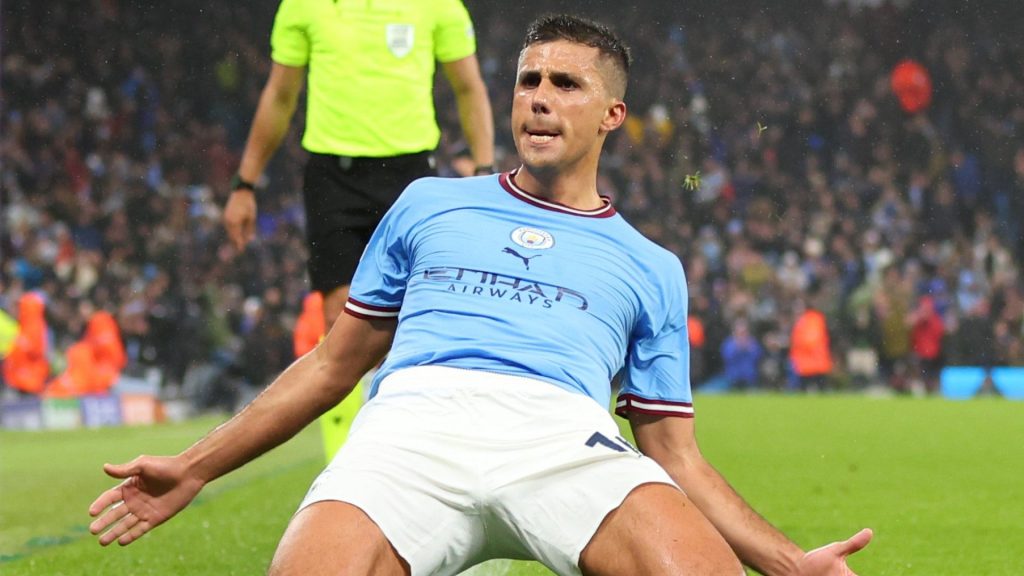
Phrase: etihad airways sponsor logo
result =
(505, 287)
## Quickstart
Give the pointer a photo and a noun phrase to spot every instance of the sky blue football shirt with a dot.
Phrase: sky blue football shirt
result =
(484, 276)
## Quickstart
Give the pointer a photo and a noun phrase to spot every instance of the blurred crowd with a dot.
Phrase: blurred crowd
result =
(765, 147)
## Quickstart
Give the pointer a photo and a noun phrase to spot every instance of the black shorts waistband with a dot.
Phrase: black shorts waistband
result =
(350, 162)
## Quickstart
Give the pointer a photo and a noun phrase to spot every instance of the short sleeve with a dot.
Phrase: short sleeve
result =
(657, 372)
(289, 40)
(378, 286)
(454, 38)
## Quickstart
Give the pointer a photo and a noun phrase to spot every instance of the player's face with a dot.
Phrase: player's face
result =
(562, 109)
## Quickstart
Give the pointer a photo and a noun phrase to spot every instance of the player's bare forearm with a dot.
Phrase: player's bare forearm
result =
(671, 442)
(474, 106)
(155, 489)
(758, 544)
(273, 116)
(308, 388)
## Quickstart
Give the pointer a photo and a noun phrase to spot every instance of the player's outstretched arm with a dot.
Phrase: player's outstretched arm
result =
(156, 488)
(671, 442)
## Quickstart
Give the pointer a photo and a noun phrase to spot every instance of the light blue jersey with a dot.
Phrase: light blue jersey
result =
(483, 276)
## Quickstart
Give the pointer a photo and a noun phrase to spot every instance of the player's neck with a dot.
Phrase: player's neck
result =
(575, 189)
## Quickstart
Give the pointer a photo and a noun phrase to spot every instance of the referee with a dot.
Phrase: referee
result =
(370, 124)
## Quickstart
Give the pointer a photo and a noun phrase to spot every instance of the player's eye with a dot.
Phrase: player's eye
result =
(529, 80)
(566, 83)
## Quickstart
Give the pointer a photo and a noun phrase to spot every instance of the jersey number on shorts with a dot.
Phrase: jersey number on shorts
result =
(619, 444)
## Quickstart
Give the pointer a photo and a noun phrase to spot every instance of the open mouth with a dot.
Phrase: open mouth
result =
(541, 136)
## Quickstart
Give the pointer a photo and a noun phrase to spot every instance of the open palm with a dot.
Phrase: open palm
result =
(154, 489)
(830, 560)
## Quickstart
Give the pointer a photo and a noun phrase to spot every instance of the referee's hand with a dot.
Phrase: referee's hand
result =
(240, 217)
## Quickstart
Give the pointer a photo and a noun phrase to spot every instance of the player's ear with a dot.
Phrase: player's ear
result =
(614, 116)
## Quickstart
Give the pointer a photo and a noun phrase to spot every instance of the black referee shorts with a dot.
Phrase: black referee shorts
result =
(345, 199)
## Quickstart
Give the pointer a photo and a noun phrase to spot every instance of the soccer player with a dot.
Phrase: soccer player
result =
(370, 127)
(508, 303)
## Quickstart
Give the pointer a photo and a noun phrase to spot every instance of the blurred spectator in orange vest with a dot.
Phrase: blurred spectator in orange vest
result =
(104, 337)
(80, 375)
(695, 330)
(26, 366)
(809, 349)
(310, 326)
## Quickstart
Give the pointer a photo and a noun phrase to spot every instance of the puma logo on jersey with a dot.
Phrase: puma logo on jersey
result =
(525, 259)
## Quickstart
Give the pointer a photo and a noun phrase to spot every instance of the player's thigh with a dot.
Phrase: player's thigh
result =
(658, 531)
(335, 538)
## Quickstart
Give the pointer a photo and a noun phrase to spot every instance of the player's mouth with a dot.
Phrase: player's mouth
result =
(541, 136)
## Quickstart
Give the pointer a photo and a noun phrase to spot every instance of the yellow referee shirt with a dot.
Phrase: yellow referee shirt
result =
(370, 69)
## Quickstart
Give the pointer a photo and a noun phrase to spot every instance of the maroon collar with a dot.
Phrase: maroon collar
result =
(507, 180)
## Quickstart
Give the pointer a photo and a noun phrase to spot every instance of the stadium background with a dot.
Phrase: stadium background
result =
(121, 124)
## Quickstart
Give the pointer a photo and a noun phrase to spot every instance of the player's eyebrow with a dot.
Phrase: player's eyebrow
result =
(558, 78)
(563, 78)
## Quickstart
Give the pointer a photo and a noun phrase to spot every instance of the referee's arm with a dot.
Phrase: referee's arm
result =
(273, 117)
(474, 107)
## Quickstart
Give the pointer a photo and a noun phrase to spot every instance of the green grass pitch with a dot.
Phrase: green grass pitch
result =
(941, 482)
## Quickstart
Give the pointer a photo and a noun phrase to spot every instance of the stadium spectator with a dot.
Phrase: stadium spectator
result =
(309, 327)
(94, 363)
(104, 340)
(927, 332)
(810, 349)
(79, 376)
(27, 364)
(741, 354)
(695, 331)
(892, 305)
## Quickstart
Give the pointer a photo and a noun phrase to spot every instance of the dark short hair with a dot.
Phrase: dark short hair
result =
(580, 30)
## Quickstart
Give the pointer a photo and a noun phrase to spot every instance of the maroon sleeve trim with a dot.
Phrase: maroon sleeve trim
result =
(627, 403)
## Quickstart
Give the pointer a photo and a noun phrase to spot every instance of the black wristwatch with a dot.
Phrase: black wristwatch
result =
(483, 170)
(237, 182)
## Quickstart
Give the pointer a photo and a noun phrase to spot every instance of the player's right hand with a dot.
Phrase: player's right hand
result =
(240, 217)
(830, 560)
(154, 490)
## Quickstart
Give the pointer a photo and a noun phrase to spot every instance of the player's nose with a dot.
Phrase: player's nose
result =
(540, 100)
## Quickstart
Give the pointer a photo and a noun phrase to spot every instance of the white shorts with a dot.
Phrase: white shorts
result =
(457, 467)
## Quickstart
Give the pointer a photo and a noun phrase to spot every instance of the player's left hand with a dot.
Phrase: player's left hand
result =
(830, 560)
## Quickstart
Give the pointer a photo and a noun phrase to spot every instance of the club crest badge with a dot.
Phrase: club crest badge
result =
(400, 39)
(533, 238)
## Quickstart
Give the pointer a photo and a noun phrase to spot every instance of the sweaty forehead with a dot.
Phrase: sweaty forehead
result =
(559, 56)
